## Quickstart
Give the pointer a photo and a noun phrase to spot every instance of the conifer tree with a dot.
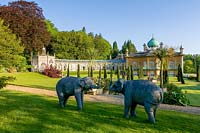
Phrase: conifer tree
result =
(128, 73)
(118, 72)
(132, 72)
(198, 73)
(78, 71)
(91, 72)
(100, 72)
(105, 73)
(68, 70)
(181, 74)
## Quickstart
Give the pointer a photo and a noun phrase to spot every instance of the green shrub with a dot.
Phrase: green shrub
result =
(174, 95)
(105, 83)
(4, 81)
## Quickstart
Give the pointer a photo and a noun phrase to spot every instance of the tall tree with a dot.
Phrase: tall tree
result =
(198, 73)
(26, 20)
(53, 32)
(180, 74)
(51, 28)
(10, 49)
(162, 54)
(69, 44)
(128, 45)
(102, 46)
(115, 50)
(118, 72)
(104, 72)
(78, 71)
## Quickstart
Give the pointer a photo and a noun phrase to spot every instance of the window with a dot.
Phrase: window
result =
(171, 65)
(152, 65)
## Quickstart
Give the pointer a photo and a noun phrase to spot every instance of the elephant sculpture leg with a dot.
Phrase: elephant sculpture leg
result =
(82, 98)
(150, 111)
(79, 101)
(65, 100)
(61, 99)
(133, 106)
(127, 105)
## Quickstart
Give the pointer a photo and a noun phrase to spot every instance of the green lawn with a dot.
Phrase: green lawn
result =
(23, 112)
(31, 79)
(191, 87)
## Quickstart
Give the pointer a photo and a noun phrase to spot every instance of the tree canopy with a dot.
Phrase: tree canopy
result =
(191, 62)
(79, 45)
(10, 48)
(115, 50)
(128, 45)
(26, 20)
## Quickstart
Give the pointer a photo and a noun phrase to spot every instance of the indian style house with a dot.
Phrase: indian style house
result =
(150, 64)
(144, 59)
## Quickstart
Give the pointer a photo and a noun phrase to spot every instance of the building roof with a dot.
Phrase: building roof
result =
(149, 53)
(153, 43)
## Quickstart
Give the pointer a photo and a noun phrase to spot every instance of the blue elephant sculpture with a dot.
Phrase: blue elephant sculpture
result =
(142, 92)
(73, 86)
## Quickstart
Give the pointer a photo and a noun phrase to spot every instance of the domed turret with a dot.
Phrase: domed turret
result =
(153, 43)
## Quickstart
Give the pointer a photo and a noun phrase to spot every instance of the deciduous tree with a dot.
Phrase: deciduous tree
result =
(26, 20)
(10, 48)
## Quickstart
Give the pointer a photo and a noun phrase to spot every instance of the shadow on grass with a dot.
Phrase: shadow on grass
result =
(32, 113)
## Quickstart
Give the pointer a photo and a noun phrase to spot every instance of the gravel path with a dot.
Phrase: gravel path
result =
(114, 99)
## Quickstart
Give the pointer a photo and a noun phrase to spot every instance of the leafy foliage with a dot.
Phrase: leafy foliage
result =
(4, 81)
(10, 49)
(68, 45)
(52, 72)
(115, 50)
(174, 95)
(26, 20)
(102, 46)
(191, 62)
(128, 46)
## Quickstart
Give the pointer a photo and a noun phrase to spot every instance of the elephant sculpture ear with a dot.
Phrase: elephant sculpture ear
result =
(121, 81)
(82, 83)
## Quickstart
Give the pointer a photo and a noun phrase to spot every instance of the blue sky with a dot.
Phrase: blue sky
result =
(174, 22)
